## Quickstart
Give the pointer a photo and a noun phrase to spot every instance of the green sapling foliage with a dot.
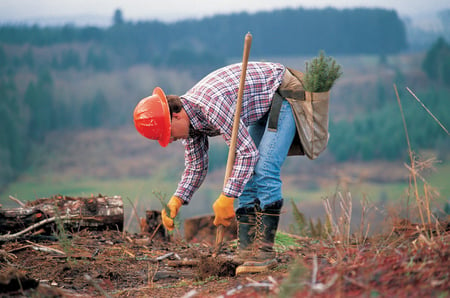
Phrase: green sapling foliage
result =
(321, 73)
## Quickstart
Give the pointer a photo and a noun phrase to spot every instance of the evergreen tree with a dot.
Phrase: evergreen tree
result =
(118, 18)
(98, 60)
(94, 113)
(2, 57)
(28, 58)
(437, 62)
(70, 59)
(39, 99)
(13, 143)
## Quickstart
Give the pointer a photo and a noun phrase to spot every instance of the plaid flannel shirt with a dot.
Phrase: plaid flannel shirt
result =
(210, 105)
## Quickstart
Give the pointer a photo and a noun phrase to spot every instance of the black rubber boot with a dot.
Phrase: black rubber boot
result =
(246, 218)
(263, 257)
(270, 217)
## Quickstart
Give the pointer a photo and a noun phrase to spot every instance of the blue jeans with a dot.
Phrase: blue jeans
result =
(265, 184)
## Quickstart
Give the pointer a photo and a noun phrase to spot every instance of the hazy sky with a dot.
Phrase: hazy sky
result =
(170, 10)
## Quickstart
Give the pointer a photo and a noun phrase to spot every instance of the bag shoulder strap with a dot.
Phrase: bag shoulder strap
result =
(293, 86)
(275, 112)
(285, 91)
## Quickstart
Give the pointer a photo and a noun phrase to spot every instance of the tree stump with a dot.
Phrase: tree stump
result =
(153, 226)
(74, 213)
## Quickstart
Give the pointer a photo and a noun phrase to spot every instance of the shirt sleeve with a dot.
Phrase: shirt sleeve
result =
(195, 167)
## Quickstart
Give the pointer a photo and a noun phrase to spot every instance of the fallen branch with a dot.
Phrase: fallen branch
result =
(167, 255)
(253, 284)
(45, 248)
(39, 248)
(180, 263)
(17, 201)
(93, 213)
(128, 253)
(32, 227)
(154, 232)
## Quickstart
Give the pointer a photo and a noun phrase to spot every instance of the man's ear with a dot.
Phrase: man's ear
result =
(180, 115)
(176, 116)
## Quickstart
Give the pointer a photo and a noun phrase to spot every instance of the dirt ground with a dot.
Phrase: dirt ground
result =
(121, 265)
(405, 263)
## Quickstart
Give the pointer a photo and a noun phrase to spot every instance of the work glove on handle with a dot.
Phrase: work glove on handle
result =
(223, 210)
(174, 205)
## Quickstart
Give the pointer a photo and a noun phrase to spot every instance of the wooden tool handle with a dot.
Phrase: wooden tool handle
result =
(237, 117)
(237, 114)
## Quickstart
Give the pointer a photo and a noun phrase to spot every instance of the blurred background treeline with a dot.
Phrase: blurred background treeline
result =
(58, 80)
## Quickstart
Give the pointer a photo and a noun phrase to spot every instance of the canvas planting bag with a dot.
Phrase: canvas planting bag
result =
(310, 111)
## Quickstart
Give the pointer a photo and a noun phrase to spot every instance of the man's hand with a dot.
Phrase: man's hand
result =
(174, 205)
(224, 210)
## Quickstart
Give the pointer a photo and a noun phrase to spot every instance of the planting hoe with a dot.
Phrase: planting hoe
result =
(232, 150)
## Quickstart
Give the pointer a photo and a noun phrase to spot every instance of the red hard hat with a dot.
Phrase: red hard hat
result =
(152, 117)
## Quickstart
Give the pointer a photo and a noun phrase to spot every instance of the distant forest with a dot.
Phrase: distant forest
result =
(45, 71)
(209, 41)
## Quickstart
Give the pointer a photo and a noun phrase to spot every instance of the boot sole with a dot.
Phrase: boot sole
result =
(256, 267)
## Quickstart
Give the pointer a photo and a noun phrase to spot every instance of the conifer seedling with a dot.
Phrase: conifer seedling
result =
(321, 73)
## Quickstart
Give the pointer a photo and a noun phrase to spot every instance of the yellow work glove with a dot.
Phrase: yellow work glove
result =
(174, 205)
(224, 210)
